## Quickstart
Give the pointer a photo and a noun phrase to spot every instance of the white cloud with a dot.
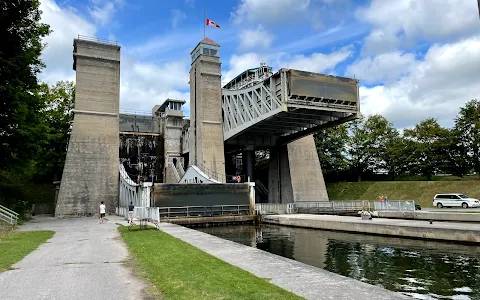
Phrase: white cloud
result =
(190, 3)
(102, 11)
(385, 67)
(177, 16)
(316, 62)
(66, 25)
(254, 38)
(142, 85)
(268, 12)
(436, 87)
(402, 22)
(240, 63)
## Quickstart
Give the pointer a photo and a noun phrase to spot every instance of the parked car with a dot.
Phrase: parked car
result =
(452, 200)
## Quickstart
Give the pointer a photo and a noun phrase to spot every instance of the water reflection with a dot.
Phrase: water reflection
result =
(421, 269)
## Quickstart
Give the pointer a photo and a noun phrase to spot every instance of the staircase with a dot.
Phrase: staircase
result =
(261, 189)
(8, 215)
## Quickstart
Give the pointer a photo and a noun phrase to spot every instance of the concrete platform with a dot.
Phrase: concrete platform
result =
(446, 231)
(299, 278)
(455, 216)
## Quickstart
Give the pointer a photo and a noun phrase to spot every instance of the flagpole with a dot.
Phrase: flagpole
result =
(204, 20)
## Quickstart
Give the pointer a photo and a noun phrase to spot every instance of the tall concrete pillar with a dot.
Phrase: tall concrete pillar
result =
(206, 130)
(295, 173)
(91, 171)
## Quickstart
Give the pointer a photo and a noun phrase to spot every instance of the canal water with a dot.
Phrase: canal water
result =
(420, 269)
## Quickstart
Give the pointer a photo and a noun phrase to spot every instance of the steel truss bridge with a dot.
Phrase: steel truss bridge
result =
(276, 109)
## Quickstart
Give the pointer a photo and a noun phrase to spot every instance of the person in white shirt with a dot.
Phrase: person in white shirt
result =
(102, 212)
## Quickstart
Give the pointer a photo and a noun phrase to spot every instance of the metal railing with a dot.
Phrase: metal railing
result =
(8, 215)
(395, 205)
(331, 206)
(151, 214)
(204, 211)
(274, 208)
(210, 173)
(96, 39)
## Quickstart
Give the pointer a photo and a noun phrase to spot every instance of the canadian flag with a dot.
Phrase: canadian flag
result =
(211, 23)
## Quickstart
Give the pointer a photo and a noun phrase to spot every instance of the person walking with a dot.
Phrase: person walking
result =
(130, 212)
(102, 212)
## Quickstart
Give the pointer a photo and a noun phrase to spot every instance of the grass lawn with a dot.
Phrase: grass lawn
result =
(15, 245)
(181, 271)
(420, 191)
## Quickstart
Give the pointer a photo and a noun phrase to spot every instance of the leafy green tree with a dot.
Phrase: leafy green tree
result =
(359, 143)
(57, 118)
(467, 125)
(330, 144)
(20, 49)
(431, 145)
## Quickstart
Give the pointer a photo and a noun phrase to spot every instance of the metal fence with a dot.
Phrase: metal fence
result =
(152, 214)
(273, 208)
(8, 215)
(204, 211)
(395, 205)
(331, 206)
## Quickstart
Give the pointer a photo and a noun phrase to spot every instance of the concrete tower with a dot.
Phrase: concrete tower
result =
(206, 130)
(90, 174)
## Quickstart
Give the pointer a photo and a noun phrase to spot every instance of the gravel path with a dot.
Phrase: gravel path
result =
(83, 260)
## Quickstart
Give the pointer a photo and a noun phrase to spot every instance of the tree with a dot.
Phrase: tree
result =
(57, 118)
(431, 145)
(330, 144)
(467, 125)
(359, 143)
(20, 50)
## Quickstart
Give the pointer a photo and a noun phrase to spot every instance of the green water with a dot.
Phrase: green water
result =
(420, 269)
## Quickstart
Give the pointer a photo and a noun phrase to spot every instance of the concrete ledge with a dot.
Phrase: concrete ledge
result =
(455, 232)
(299, 278)
(426, 215)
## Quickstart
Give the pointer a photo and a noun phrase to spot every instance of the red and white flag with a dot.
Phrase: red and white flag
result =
(211, 23)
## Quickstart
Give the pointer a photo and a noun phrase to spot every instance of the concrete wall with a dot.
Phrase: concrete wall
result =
(206, 142)
(90, 174)
(168, 195)
(295, 173)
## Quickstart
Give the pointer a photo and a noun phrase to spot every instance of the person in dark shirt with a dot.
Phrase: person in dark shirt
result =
(130, 212)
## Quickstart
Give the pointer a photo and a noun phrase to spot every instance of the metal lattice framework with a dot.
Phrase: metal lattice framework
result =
(284, 107)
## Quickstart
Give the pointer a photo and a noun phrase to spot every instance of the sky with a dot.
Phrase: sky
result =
(414, 59)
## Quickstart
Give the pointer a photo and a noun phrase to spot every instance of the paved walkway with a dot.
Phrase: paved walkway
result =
(302, 279)
(83, 260)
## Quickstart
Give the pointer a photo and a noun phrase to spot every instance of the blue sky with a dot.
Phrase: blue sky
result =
(414, 59)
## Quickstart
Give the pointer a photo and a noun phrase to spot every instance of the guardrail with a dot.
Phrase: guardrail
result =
(395, 205)
(141, 213)
(331, 206)
(204, 211)
(96, 39)
(8, 215)
(273, 208)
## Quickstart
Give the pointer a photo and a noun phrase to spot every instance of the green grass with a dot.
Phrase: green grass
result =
(181, 271)
(420, 191)
(15, 245)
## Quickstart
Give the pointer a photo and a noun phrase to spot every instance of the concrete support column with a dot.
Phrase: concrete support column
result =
(248, 157)
(295, 173)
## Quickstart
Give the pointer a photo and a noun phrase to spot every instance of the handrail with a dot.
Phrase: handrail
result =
(8, 209)
(7, 216)
(204, 211)
(96, 39)
(175, 172)
(210, 173)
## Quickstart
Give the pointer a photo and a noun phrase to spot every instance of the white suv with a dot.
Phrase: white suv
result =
(450, 200)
